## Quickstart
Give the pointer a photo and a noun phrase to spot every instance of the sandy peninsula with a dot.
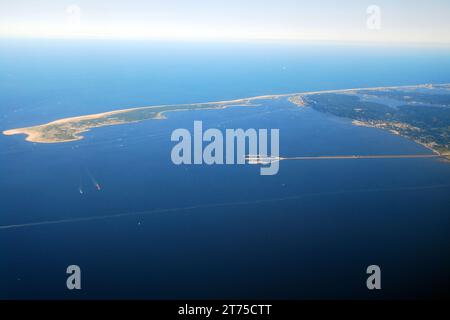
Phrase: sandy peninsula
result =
(71, 129)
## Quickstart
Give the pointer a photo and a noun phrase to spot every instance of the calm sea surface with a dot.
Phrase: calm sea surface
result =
(308, 232)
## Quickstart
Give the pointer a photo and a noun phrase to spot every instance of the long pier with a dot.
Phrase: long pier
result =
(256, 159)
(400, 156)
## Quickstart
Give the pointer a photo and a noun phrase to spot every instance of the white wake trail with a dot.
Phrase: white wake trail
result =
(217, 205)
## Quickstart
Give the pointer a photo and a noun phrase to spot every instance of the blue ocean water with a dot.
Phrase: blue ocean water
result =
(327, 221)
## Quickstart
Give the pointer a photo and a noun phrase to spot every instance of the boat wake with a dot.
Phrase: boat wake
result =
(218, 205)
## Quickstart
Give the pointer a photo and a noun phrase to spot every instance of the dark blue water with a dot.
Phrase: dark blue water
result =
(327, 222)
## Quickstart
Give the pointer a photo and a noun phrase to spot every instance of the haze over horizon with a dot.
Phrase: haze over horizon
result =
(418, 21)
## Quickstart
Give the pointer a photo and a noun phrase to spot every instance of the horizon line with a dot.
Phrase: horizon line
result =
(226, 40)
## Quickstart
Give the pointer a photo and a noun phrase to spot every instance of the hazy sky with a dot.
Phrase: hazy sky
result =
(424, 21)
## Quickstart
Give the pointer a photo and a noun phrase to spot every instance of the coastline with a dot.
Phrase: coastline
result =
(69, 129)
